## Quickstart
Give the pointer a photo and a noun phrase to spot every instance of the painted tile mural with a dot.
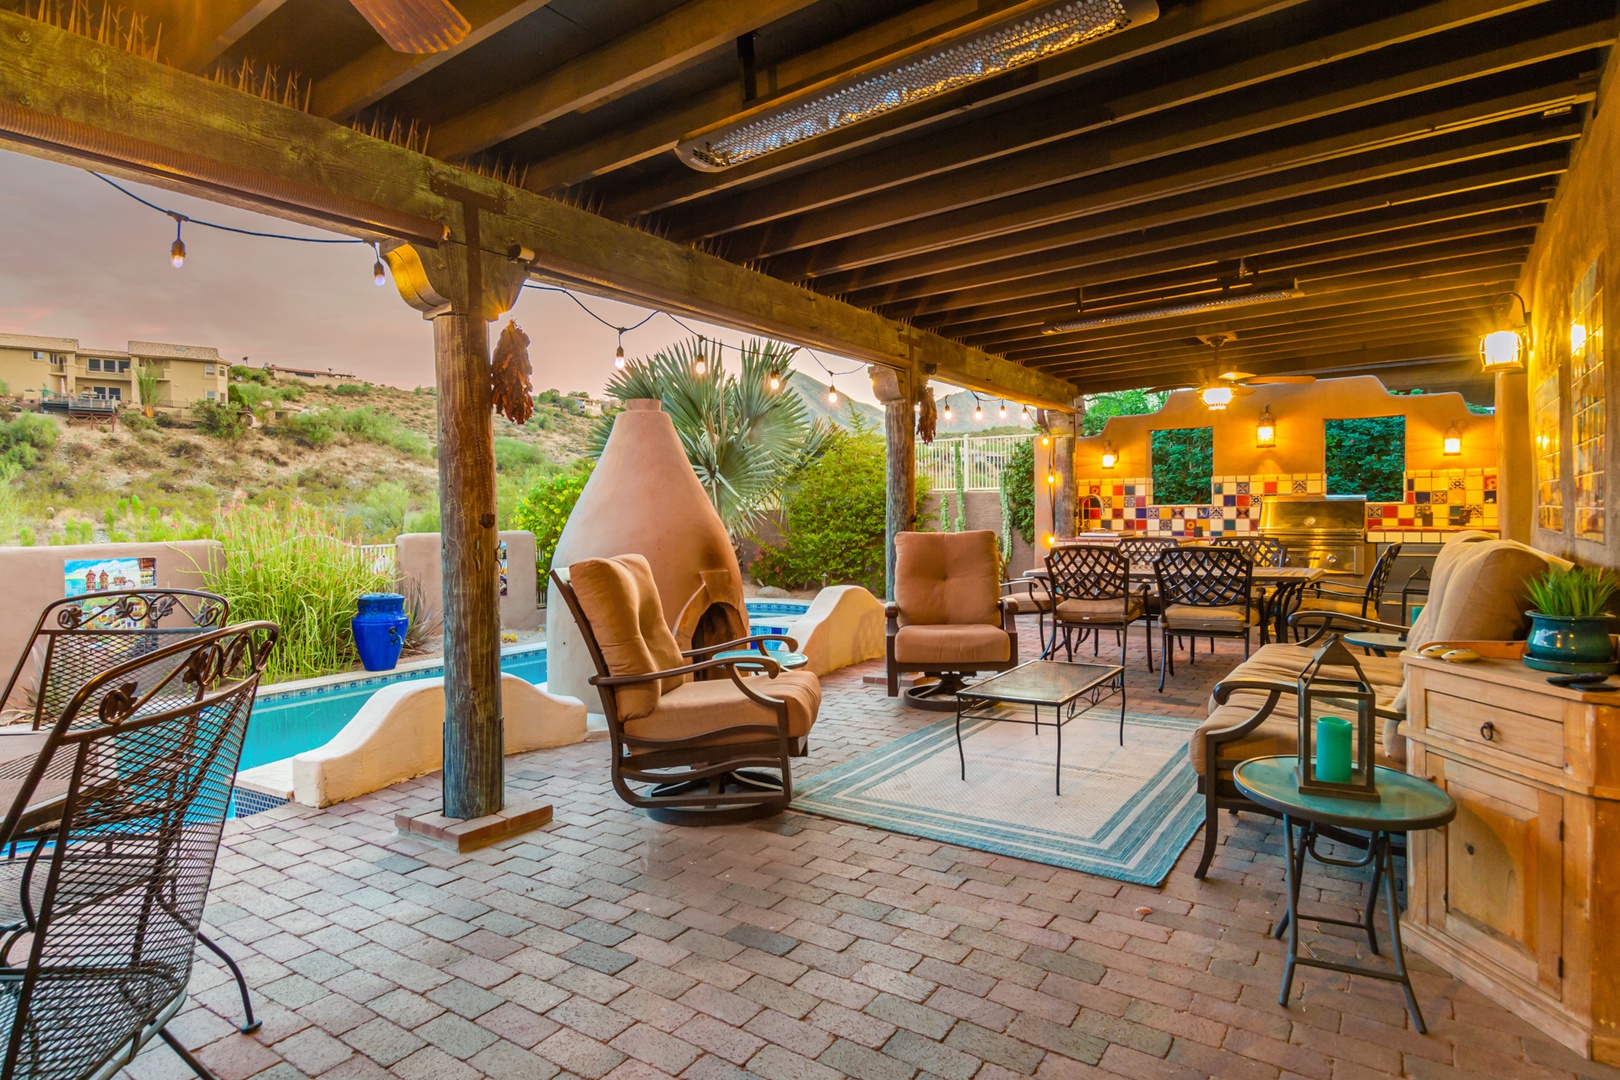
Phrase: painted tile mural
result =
(1544, 404)
(1588, 405)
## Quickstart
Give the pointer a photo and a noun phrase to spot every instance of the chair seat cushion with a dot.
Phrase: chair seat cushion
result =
(1232, 617)
(1030, 601)
(1341, 604)
(1100, 611)
(695, 711)
(944, 646)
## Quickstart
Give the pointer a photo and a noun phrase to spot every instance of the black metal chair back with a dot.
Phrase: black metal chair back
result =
(79, 637)
(121, 813)
(1378, 580)
(1205, 576)
(1088, 572)
(1140, 551)
(1264, 550)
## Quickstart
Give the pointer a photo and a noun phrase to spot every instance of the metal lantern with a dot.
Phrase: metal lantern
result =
(1323, 691)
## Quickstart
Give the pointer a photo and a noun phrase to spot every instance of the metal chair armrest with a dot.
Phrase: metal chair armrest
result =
(740, 642)
(729, 662)
(1332, 621)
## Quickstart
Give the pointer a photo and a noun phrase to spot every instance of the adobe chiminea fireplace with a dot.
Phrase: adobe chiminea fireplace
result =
(644, 499)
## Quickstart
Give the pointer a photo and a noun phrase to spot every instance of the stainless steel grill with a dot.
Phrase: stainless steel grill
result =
(1329, 531)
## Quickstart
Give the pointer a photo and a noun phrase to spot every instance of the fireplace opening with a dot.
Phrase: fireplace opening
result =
(719, 623)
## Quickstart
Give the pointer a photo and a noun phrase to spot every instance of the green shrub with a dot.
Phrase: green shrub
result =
(1018, 493)
(833, 519)
(314, 429)
(1183, 465)
(515, 455)
(26, 438)
(243, 373)
(352, 389)
(382, 511)
(135, 420)
(296, 566)
(1366, 456)
(220, 419)
(369, 425)
(545, 509)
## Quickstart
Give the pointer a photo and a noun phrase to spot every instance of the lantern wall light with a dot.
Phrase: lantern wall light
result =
(1109, 458)
(1265, 431)
(1453, 441)
(1501, 351)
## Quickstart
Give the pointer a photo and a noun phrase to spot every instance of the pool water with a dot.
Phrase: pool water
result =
(288, 722)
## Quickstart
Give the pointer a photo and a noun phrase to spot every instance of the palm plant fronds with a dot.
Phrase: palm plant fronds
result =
(1578, 592)
(744, 440)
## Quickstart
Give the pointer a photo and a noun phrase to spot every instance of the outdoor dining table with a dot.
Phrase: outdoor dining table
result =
(1284, 586)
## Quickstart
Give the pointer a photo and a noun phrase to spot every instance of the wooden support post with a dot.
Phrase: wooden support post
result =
(1065, 510)
(462, 290)
(473, 735)
(895, 390)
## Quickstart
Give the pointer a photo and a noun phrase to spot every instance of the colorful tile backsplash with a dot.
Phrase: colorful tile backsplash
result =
(1436, 500)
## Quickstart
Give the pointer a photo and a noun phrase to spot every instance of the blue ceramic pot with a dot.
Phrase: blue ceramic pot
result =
(379, 630)
(1569, 640)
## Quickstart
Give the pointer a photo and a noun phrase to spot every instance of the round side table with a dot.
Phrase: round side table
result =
(1381, 644)
(1405, 804)
(788, 661)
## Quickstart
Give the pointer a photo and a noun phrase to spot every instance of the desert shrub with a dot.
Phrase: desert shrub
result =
(833, 519)
(132, 521)
(12, 524)
(26, 438)
(314, 429)
(135, 420)
(382, 510)
(369, 425)
(74, 531)
(243, 373)
(545, 509)
(352, 389)
(220, 419)
(296, 565)
(515, 455)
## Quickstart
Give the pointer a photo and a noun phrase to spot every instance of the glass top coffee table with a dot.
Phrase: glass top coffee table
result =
(1037, 685)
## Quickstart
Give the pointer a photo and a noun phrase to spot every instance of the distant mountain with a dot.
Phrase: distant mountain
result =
(962, 420)
(814, 396)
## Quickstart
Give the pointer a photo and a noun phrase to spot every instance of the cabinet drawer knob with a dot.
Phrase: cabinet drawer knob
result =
(1468, 848)
(1487, 731)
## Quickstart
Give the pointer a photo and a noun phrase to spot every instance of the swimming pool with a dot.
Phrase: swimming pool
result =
(297, 717)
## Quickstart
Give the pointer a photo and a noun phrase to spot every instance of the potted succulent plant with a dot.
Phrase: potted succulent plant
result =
(1569, 625)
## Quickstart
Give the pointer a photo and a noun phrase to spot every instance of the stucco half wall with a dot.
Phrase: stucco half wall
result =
(399, 733)
(843, 626)
(31, 577)
(419, 562)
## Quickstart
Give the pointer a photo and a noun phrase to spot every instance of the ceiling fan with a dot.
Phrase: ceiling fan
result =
(415, 26)
(1219, 390)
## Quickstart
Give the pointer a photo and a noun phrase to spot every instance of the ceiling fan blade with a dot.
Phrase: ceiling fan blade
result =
(1235, 376)
(1262, 380)
(1169, 387)
(415, 26)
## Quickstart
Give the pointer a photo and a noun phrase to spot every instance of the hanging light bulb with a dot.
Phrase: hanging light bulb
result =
(177, 250)
(832, 394)
(700, 363)
(978, 412)
(1023, 415)
(1004, 410)
(776, 380)
(618, 356)
(1046, 440)
(947, 408)
(378, 276)
(1051, 478)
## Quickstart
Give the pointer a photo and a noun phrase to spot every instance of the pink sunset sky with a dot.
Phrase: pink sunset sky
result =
(81, 260)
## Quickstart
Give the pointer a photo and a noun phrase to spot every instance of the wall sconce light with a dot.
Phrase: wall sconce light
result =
(1265, 432)
(1108, 455)
(1453, 443)
(1051, 478)
(1502, 350)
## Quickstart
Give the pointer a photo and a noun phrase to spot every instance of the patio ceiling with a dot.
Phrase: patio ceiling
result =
(1393, 159)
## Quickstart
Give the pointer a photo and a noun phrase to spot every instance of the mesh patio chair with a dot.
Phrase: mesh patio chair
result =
(1345, 600)
(1205, 592)
(120, 815)
(77, 638)
(1091, 591)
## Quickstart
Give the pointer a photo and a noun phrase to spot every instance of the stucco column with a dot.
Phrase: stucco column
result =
(1515, 459)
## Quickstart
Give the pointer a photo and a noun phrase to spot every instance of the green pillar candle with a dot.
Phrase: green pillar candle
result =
(1333, 749)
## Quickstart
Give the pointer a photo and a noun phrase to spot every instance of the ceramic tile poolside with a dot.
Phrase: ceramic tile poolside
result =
(607, 945)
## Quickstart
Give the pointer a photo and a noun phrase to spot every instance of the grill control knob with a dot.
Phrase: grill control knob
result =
(1309, 522)
(1330, 560)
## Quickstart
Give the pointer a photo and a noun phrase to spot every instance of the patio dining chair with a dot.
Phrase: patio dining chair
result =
(1205, 592)
(77, 638)
(117, 820)
(1091, 591)
(1264, 550)
(1346, 600)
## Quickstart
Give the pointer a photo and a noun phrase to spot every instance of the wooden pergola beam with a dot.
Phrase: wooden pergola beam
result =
(380, 71)
(1441, 350)
(109, 110)
(635, 59)
(196, 34)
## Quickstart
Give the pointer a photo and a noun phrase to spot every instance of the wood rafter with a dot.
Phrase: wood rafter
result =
(195, 35)
(194, 135)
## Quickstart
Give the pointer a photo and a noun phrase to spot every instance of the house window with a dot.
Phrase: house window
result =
(123, 365)
(95, 365)
(38, 355)
(210, 395)
(1367, 456)
(1183, 466)
(115, 393)
(209, 370)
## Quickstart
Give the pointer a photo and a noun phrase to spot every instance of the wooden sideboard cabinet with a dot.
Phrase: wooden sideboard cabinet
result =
(1520, 896)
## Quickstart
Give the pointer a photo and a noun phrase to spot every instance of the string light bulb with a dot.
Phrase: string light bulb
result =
(177, 250)
(700, 363)
(832, 395)
(947, 408)
(978, 412)
(618, 356)
(1023, 415)
(776, 380)
(1051, 478)
(1046, 440)
(379, 277)
(1004, 410)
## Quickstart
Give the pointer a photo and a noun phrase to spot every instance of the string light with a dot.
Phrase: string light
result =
(832, 394)
(1004, 410)
(700, 363)
(776, 381)
(618, 356)
(978, 412)
(177, 250)
(378, 277)
(947, 408)
(1023, 414)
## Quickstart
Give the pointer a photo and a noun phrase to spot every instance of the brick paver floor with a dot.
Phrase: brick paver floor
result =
(608, 945)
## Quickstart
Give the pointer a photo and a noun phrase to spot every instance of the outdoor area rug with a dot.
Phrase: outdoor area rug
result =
(1126, 812)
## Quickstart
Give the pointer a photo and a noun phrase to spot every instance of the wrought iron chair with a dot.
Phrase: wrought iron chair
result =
(1205, 592)
(120, 814)
(1264, 550)
(1030, 595)
(78, 638)
(1344, 600)
(695, 749)
(1091, 590)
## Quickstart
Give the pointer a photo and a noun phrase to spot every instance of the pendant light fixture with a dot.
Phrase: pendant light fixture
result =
(378, 277)
(776, 380)
(700, 363)
(618, 355)
(1501, 351)
(177, 250)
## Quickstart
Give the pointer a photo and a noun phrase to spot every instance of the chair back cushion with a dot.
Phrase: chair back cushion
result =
(947, 578)
(620, 601)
